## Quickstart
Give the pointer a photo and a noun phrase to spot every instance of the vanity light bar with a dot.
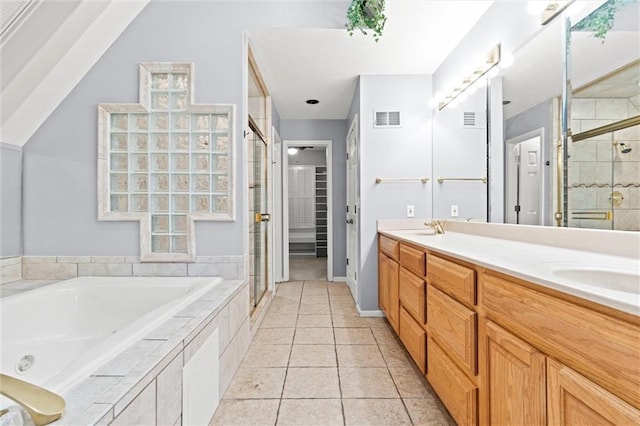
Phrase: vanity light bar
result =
(492, 59)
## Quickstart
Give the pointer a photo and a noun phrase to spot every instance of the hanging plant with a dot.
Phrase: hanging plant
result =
(601, 20)
(366, 15)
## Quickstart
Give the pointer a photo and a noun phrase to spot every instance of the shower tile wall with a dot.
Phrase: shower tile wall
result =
(596, 163)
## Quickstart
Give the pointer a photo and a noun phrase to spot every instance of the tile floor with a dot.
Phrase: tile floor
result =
(307, 268)
(314, 361)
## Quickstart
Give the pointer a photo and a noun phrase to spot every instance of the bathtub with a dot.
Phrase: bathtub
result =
(57, 335)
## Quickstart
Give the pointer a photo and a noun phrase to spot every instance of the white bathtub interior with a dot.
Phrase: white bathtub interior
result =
(57, 335)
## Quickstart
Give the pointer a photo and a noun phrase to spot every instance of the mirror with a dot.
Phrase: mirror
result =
(532, 89)
(603, 168)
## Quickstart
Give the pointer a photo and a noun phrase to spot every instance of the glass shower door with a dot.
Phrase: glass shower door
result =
(258, 215)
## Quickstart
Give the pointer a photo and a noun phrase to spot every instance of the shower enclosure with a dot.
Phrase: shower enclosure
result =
(603, 185)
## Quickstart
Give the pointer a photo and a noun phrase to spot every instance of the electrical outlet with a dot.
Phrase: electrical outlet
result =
(454, 210)
(410, 211)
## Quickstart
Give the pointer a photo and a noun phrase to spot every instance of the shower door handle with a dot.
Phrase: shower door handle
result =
(262, 217)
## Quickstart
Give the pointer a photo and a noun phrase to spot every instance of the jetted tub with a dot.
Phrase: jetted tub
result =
(57, 335)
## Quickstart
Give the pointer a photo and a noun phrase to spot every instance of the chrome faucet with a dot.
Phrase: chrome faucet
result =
(435, 225)
(42, 405)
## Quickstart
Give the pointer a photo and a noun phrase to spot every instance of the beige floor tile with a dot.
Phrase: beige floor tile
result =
(284, 309)
(316, 284)
(314, 336)
(354, 336)
(295, 412)
(256, 383)
(376, 412)
(279, 320)
(311, 383)
(344, 310)
(395, 356)
(314, 309)
(409, 382)
(306, 321)
(274, 336)
(313, 356)
(312, 300)
(358, 382)
(384, 335)
(342, 300)
(359, 356)
(266, 356)
(341, 320)
(314, 292)
(246, 412)
(428, 412)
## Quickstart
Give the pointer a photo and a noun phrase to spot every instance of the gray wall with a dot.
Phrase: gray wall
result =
(308, 157)
(336, 131)
(392, 152)
(539, 116)
(11, 200)
(60, 202)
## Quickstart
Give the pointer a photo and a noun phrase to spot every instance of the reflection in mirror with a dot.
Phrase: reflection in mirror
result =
(603, 182)
(530, 90)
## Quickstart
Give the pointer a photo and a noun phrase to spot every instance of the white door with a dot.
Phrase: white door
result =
(524, 198)
(353, 202)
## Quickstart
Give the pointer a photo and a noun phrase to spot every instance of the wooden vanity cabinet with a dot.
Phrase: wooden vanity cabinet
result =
(499, 350)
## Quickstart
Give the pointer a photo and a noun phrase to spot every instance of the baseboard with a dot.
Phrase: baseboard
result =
(339, 279)
(373, 313)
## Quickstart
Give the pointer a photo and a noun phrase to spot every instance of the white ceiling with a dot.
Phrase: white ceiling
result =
(299, 64)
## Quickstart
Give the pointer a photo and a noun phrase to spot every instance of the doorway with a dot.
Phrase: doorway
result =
(306, 206)
(524, 195)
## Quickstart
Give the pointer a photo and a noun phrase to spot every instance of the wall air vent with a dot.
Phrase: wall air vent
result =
(386, 119)
(473, 120)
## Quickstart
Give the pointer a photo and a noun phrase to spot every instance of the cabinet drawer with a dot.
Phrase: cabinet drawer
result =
(412, 259)
(389, 247)
(412, 291)
(454, 327)
(414, 339)
(458, 393)
(455, 280)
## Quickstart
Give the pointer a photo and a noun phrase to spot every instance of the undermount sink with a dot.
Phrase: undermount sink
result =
(619, 278)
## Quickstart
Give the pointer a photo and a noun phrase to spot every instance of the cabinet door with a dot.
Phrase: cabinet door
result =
(393, 272)
(388, 297)
(383, 285)
(513, 384)
(573, 400)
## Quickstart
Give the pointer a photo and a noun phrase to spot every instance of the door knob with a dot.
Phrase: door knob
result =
(349, 221)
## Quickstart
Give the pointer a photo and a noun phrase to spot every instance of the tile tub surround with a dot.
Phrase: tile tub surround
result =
(143, 384)
(533, 253)
(10, 269)
(352, 373)
(65, 267)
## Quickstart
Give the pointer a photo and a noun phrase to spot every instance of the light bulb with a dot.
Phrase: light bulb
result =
(292, 151)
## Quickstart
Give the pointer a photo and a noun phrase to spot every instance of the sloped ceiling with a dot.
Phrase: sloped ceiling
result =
(44, 53)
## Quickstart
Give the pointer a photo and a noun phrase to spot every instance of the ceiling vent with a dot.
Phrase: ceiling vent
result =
(473, 120)
(386, 119)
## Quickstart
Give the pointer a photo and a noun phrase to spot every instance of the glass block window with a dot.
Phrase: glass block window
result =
(166, 162)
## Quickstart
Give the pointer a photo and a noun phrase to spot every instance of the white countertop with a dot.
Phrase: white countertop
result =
(585, 274)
